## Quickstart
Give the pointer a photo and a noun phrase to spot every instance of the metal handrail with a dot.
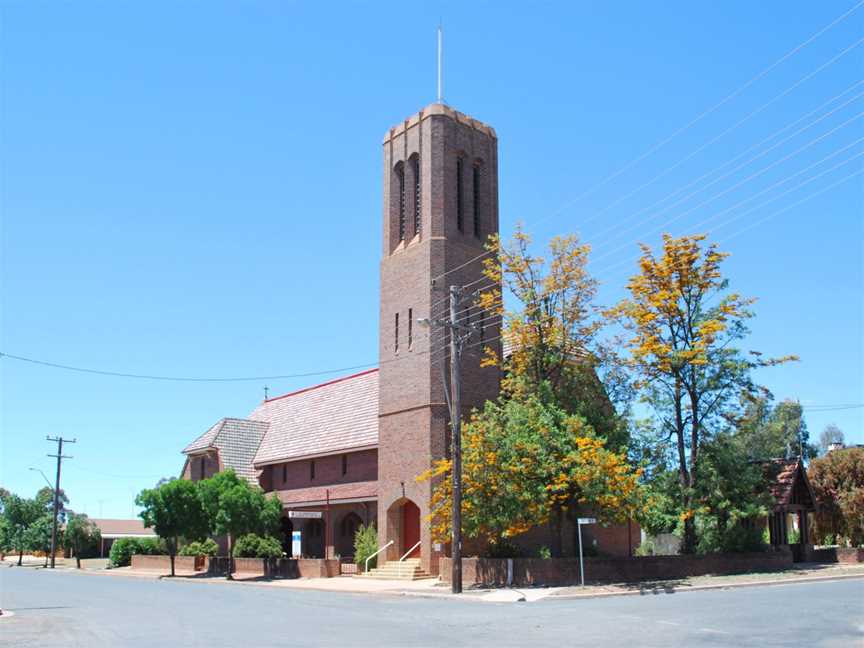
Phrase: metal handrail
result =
(366, 566)
(402, 559)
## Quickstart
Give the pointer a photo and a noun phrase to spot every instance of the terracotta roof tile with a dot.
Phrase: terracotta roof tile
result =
(332, 417)
(236, 441)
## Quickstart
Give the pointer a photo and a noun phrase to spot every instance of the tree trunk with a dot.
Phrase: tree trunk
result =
(78, 560)
(172, 563)
(684, 477)
(230, 557)
(20, 556)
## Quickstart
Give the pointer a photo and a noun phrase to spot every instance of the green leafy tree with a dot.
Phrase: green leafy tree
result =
(552, 332)
(527, 463)
(174, 511)
(683, 327)
(37, 537)
(82, 536)
(365, 545)
(765, 431)
(19, 514)
(234, 507)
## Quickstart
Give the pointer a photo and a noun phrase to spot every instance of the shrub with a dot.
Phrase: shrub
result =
(544, 552)
(255, 546)
(207, 547)
(365, 544)
(124, 548)
(505, 549)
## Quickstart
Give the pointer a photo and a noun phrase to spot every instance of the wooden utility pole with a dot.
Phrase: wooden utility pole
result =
(456, 424)
(60, 457)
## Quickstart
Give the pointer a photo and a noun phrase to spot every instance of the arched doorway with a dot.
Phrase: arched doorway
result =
(410, 528)
(346, 531)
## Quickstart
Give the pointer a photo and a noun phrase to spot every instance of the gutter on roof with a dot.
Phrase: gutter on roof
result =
(333, 500)
(271, 462)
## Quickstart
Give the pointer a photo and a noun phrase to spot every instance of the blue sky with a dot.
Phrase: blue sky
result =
(194, 189)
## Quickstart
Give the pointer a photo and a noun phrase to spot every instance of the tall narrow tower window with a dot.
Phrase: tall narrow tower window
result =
(400, 174)
(410, 327)
(396, 335)
(475, 191)
(459, 197)
(417, 202)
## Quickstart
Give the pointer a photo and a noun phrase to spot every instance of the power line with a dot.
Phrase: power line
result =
(734, 126)
(740, 183)
(600, 235)
(681, 130)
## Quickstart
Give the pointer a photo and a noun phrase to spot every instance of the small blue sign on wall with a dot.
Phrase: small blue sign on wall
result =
(296, 539)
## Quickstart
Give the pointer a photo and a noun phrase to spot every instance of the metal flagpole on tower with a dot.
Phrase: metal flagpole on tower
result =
(440, 66)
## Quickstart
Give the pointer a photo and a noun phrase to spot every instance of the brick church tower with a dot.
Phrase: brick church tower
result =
(440, 205)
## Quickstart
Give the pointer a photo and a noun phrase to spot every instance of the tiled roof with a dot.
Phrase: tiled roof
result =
(338, 415)
(236, 440)
(122, 527)
(781, 475)
(338, 493)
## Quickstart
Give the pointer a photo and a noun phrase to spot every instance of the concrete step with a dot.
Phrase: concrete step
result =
(408, 569)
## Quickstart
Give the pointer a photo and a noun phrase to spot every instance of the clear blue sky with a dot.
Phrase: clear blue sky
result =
(194, 189)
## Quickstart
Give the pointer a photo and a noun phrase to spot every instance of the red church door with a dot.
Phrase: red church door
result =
(410, 528)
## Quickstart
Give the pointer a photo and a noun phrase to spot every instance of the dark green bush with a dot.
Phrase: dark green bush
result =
(505, 549)
(255, 546)
(207, 547)
(365, 544)
(124, 548)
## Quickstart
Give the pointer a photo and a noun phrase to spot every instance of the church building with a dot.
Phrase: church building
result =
(348, 451)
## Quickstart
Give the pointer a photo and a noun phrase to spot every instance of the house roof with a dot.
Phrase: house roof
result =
(317, 495)
(110, 528)
(332, 417)
(236, 441)
(782, 476)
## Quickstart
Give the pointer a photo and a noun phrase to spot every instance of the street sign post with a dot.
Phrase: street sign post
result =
(582, 521)
(306, 515)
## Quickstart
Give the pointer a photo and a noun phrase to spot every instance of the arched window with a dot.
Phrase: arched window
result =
(350, 523)
(400, 180)
(459, 198)
(415, 163)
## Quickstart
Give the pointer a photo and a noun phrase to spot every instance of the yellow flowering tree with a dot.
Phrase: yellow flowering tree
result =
(551, 330)
(527, 463)
(682, 327)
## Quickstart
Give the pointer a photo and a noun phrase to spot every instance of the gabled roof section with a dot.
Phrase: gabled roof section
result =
(236, 441)
(332, 417)
(788, 483)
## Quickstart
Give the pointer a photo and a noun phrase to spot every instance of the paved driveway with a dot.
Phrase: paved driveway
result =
(75, 609)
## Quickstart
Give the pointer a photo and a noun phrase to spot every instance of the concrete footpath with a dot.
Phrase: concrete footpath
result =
(437, 589)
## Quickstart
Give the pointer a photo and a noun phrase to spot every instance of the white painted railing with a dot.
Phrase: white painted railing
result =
(366, 566)
(407, 553)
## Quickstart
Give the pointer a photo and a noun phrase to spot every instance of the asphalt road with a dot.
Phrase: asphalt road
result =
(75, 609)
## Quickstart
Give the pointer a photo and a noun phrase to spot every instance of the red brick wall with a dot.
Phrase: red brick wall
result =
(412, 410)
(192, 469)
(565, 571)
(362, 466)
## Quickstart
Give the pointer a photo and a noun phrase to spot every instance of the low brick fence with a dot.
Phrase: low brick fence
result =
(493, 572)
(163, 563)
(844, 555)
(281, 568)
